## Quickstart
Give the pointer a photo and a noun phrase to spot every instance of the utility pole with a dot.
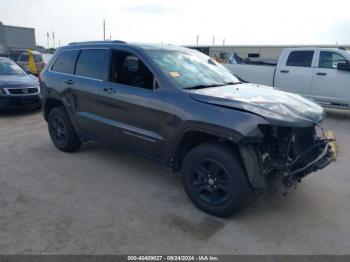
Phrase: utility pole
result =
(214, 40)
(223, 41)
(48, 39)
(104, 30)
(197, 39)
(53, 39)
(59, 43)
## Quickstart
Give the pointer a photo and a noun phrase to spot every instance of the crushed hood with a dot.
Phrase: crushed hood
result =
(277, 107)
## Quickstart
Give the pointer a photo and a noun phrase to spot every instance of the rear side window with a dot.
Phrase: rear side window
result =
(65, 62)
(92, 63)
(300, 58)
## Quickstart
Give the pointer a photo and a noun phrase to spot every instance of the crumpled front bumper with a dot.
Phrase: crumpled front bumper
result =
(326, 155)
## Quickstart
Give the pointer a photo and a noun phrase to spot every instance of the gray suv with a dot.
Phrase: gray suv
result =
(179, 107)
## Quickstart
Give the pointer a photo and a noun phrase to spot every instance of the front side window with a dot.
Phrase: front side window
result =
(92, 63)
(65, 63)
(330, 59)
(8, 67)
(300, 58)
(191, 68)
(128, 69)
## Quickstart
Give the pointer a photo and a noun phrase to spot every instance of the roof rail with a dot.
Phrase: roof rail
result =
(98, 42)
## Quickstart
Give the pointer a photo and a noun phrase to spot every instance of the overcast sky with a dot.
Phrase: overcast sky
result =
(180, 21)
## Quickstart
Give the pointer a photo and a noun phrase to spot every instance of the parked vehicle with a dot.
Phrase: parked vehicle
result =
(236, 59)
(15, 53)
(23, 60)
(322, 74)
(180, 107)
(18, 89)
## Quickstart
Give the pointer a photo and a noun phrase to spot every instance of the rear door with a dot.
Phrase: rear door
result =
(331, 85)
(88, 91)
(295, 72)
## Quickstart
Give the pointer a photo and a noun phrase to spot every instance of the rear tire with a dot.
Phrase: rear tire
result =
(215, 180)
(61, 131)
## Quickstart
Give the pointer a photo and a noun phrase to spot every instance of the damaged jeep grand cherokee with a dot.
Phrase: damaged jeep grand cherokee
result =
(179, 107)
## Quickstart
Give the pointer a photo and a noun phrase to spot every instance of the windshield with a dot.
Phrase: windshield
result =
(8, 67)
(192, 68)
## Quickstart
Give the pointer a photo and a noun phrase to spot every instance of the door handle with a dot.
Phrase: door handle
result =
(321, 74)
(109, 90)
(285, 71)
(69, 82)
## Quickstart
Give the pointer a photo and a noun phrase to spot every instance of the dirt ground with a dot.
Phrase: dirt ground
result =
(102, 200)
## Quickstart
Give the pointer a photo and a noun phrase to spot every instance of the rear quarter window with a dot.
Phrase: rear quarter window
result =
(300, 58)
(65, 62)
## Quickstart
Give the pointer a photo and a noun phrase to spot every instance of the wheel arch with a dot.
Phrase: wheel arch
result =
(192, 137)
(245, 152)
(50, 103)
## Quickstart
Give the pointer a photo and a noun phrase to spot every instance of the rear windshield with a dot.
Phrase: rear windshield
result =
(25, 58)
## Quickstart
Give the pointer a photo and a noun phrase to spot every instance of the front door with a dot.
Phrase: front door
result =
(135, 106)
(330, 84)
(89, 100)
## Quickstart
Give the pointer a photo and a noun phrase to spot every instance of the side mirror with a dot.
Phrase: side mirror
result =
(344, 66)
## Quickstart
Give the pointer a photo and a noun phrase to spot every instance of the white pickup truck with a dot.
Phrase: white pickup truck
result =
(322, 74)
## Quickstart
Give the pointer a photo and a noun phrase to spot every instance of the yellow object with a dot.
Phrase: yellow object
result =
(174, 74)
(31, 63)
(329, 134)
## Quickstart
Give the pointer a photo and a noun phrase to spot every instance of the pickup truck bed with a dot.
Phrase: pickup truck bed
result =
(321, 74)
(258, 74)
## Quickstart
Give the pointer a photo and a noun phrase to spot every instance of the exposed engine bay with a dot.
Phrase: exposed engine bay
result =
(286, 155)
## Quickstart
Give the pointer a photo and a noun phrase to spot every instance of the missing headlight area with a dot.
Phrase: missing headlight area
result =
(287, 155)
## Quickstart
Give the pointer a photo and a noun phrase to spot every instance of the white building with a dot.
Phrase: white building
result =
(14, 37)
(264, 52)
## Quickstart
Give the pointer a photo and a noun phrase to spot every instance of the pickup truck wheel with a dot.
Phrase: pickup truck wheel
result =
(61, 131)
(215, 180)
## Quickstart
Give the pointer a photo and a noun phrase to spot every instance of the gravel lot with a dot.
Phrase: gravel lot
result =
(102, 200)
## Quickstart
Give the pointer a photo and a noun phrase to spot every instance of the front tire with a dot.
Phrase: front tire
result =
(215, 180)
(61, 131)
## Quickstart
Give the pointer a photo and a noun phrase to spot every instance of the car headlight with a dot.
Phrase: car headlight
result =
(2, 91)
